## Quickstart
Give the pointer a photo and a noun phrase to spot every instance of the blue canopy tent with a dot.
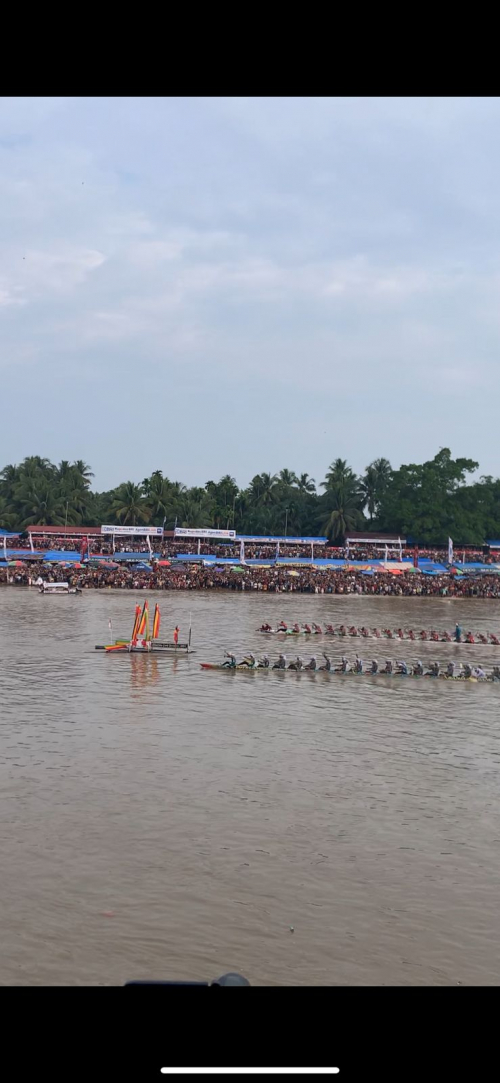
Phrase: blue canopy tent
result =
(55, 556)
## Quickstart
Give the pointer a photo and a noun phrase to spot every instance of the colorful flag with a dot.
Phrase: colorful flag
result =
(156, 622)
(450, 551)
(144, 621)
(135, 630)
(415, 557)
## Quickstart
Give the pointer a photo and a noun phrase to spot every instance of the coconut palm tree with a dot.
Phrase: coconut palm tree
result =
(306, 484)
(369, 490)
(287, 477)
(383, 472)
(339, 473)
(8, 518)
(129, 505)
(343, 512)
(84, 470)
(39, 502)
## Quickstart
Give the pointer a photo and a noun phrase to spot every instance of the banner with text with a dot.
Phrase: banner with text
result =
(188, 532)
(133, 531)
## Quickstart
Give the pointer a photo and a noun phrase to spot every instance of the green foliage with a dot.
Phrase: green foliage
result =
(427, 502)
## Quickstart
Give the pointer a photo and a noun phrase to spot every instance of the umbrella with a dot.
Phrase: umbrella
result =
(15, 563)
(293, 573)
(236, 569)
(163, 563)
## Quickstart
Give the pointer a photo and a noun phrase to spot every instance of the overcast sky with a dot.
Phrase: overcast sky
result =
(235, 285)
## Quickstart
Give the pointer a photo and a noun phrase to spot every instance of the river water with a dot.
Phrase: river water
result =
(160, 821)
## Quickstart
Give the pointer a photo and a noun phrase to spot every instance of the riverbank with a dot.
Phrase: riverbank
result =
(411, 584)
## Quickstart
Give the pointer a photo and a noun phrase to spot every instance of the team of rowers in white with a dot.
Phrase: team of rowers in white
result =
(389, 669)
(377, 633)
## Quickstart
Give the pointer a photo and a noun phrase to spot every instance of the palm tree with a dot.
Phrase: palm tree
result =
(344, 513)
(262, 490)
(369, 490)
(338, 473)
(8, 518)
(84, 471)
(9, 477)
(306, 484)
(288, 478)
(129, 505)
(40, 503)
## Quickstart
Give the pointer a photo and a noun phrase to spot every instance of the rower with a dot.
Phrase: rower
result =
(281, 663)
(296, 629)
(329, 630)
(495, 675)
(317, 629)
(358, 665)
(307, 628)
(353, 631)
(231, 660)
(388, 633)
(282, 627)
(469, 638)
(388, 668)
(312, 663)
(265, 628)
(418, 669)
(298, 664)
(446, 637)
(423, 635)
(434, 636)
(494, 639)
(458, 633)
(263, 662)
(402, 669)
(482, 638)
(411, 634)
(365, 633)
(400, 633)
(328, 665)
(433, 670)
(344, 665)
(467, 672)
(342, 630)
(450, 669)
(248, 661)
(479, 673)
(376, 633)
(374, 666)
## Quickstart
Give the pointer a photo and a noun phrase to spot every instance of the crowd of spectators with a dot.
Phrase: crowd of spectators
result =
(103, 545)
(307, 580)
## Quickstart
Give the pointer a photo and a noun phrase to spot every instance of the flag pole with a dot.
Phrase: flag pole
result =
(189, 640)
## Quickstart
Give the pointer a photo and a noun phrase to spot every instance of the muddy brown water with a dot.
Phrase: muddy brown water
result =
(159, 821)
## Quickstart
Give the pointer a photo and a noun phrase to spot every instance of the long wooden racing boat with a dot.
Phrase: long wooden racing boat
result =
(408, 637)
(340, 673)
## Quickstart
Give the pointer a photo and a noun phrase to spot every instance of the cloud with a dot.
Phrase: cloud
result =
(317, 274)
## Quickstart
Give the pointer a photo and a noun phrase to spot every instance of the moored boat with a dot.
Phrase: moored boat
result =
(144, 641)
(58, 588)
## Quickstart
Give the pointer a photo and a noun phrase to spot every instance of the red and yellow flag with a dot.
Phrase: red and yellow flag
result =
(136, 623)
(156, 622)
(144, 620)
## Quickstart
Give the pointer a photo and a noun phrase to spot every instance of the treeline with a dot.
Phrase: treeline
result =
(426, 502)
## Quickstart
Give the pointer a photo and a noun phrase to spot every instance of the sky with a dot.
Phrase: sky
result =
(235, 285)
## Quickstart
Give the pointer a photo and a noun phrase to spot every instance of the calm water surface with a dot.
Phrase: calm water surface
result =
(157, 821)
